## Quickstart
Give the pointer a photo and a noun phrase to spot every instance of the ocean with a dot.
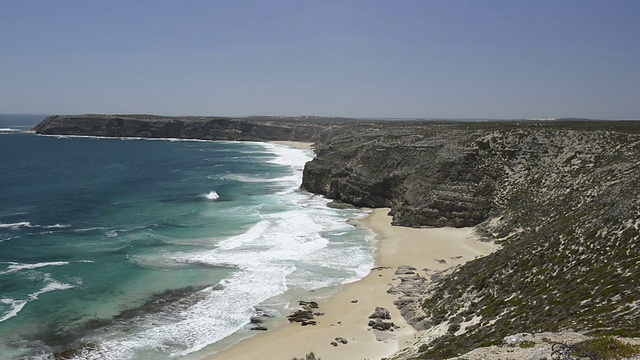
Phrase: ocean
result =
(140, 249)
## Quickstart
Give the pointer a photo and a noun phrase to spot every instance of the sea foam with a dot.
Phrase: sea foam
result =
(17, 305)
(15, 267)
(27, 224)
(289, 247)
(211, 196)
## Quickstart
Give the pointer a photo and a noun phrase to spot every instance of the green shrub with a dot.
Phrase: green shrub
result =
(526, 344)
(606, 348)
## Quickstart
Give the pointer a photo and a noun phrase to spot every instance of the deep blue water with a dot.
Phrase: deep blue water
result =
(153, 249)
(19, 122)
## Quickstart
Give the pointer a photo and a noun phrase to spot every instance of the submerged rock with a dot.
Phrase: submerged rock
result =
(335, 204)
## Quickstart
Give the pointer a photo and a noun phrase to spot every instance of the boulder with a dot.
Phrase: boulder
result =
(308, 304)
(300, 316)
(381, 325)
(405, 270)
(380, 313)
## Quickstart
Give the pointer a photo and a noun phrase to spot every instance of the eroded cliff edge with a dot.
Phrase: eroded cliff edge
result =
(429, 174)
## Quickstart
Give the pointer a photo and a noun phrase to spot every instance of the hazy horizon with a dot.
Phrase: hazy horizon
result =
(34, 119)
(359, 59)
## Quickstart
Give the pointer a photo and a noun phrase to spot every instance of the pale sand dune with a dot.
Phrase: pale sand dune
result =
(395, 246)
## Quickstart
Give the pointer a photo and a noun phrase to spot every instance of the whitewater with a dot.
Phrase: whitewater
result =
(166, 253)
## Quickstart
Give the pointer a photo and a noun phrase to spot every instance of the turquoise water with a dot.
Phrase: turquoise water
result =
(123, 249)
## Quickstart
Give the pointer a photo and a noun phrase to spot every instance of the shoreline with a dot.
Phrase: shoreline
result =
(394, 246)
(295, 144)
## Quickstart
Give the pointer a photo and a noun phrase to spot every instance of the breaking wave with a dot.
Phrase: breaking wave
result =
(211, 196)
(27, 224)
(286, 248)
(15, 306)
(261, 247)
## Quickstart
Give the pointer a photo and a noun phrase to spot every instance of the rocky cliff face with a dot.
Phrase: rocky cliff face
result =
(570, 229)
(562, 199)
(429, 175)
(206, 128)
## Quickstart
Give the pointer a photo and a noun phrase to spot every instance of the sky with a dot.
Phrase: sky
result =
(390, 59)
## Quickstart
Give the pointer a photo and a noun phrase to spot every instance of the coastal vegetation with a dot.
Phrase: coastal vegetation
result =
(606, 348)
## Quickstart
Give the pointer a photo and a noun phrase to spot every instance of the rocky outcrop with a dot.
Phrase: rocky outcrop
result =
(429, 175)
(405, 270)
(305, 315)
(377, 320)
(380, 313)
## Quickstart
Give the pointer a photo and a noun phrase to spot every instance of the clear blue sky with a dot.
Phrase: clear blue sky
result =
(450, 58)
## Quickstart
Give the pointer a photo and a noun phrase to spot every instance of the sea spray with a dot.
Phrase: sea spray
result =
(211, 196)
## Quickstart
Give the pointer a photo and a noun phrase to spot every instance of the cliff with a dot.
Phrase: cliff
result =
(561, 198)
(205, 128)
(430, 175)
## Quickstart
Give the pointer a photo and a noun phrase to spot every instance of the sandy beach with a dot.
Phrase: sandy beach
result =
(295, 144)
(346, 318)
